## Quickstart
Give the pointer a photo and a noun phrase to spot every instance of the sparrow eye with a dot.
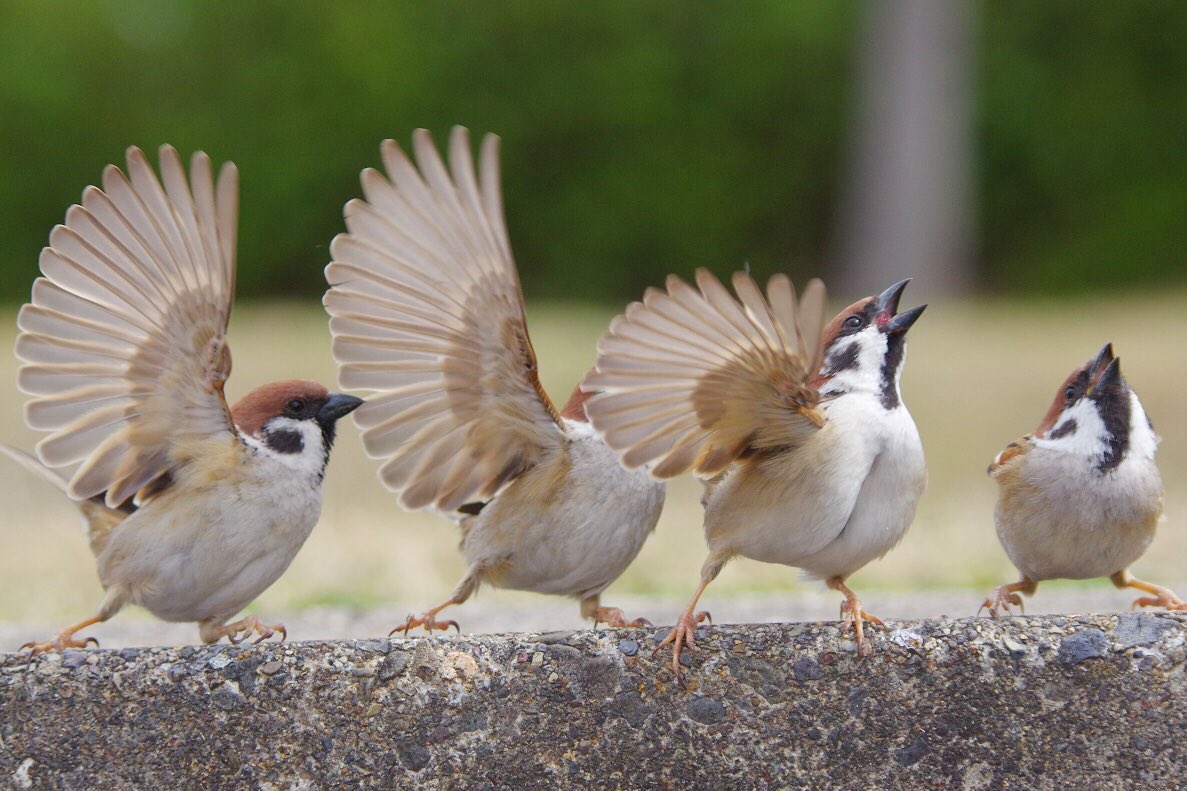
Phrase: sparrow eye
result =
(294, 406)
(853, 322)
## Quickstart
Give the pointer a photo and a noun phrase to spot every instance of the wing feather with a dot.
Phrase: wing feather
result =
(692, 378)
(123, 340)
(426, 310)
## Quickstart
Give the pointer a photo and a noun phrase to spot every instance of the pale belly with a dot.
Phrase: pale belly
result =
(562, 529)
(1081, 532)
(212, 561)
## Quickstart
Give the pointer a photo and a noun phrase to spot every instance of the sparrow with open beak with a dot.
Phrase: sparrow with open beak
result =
(192, 509)
(427, 313)
(1081, 496)
(809, 454)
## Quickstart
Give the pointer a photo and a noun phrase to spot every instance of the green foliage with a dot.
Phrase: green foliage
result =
(639, 138)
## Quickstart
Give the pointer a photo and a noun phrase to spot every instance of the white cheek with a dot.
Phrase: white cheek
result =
(1089, 437)
(866, 375)
(312, 453)
(1142, 439)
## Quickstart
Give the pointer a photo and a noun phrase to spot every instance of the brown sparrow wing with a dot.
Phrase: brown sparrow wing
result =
(1011, 457)
(426, 311)
(123, 339)
(692, 378)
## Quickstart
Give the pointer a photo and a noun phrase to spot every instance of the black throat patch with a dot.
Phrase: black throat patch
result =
(1113, 408)
(896, 343)
(285, 441)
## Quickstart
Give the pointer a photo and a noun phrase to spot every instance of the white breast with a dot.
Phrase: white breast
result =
(843, 500)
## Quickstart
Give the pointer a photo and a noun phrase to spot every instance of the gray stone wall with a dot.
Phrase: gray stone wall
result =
(1053, 702)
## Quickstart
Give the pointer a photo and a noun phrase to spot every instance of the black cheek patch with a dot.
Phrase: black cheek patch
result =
(841, 360)
(1068, 427)
(285, 441)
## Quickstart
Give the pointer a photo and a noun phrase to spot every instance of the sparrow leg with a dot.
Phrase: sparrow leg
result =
(1006, 596)
(611, 616)
(683, 634)
(1163, 597)
(852, 614)
(65, 639)
(238, 631)
(428, 619)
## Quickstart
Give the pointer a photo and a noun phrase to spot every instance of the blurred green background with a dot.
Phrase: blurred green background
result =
(640, 139)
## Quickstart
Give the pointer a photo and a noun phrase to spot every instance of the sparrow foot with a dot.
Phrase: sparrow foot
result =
(1165, 599)
(426, 620)
(63, 641)
(683, 635)
(1002, 599)
(616, 619)
(238, 631)
(854, 618)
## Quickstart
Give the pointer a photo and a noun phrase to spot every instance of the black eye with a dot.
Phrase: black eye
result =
(1070, 393)
(853, 322)
(294, 406)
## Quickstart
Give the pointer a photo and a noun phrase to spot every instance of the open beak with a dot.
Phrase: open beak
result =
(337, 406)
(1102, 360)
(1110, 378)
(887, 306)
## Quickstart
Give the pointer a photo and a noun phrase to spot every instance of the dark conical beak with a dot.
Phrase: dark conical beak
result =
(887, 306)
(1103, 358)
(1111, 378)
(337, 406)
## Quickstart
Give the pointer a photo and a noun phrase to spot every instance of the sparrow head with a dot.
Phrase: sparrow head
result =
(294, 418)
(864, 346)
(1097, 415)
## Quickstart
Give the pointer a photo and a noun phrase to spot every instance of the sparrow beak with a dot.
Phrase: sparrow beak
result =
(337, 406)
(1111, 378)
(1103, 358)
(887, 306)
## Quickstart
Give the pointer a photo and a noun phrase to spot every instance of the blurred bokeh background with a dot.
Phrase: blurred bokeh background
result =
(1023, 160)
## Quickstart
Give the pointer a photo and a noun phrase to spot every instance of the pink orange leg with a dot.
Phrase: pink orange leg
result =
(1162, 597)
(1006, 596)
(65, 638)
(852, 613)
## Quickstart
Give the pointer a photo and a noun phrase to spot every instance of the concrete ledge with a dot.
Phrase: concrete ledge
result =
(1054, 702)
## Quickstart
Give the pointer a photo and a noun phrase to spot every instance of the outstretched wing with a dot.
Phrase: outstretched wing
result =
(692, 378)
(124, 337)
(426, 310)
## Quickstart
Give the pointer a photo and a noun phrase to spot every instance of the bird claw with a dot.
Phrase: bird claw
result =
(683, 636)
(60, 643)
(614, 618)
(244, 628)
(854, 618)
(1002, 599)
(1168, 601)
(427, 621)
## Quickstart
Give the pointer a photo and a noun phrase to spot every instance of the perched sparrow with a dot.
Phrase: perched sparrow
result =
(427, 312)
(810, 456)
(1081, 496)
(192, 509)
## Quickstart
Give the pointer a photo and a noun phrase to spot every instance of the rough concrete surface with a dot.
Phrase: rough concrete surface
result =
(1093, 701)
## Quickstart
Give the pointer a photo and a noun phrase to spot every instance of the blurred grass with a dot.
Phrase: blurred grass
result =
(978, 375)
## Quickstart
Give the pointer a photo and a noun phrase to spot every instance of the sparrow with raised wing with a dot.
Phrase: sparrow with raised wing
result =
(192, 508)
(1081, 496)
(809, 455)
(427, 314)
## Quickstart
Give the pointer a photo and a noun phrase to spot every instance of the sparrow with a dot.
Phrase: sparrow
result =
(192, 508)
(427, 314)
(808, 454)
(1081, 496)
